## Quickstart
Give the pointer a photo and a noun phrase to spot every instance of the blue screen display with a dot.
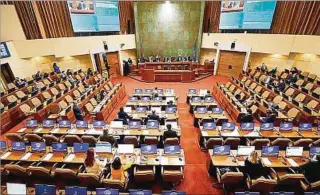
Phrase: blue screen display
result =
(217, 110)
(3, 145)
(94, 16)
(172, 149)
(314, 151)
(145, 99)
(133, 99)
(76, 190)
(64, 124)
(80, 147)
(270, 150)
(104, 191)
(157, 99)
(148, 91)
(286, 126)
(38, 146)
(32, 123)
(228, 126)
(192, 91)
(18, 146)
(82, 124)
(247, 126)
(305, 126)
(171, 110)
(138, 91)
(151, 124)
(202, 110)
(42, 189)
(59, 147)
(266, 126)
(140, 192)
(141, 109)
(99, 124)
(196, 99)
(209, 125)
(48, 123)
(209, 99)
(148, 149)
(134, 124)
(173, 193)
(221, 150)
(245, 14)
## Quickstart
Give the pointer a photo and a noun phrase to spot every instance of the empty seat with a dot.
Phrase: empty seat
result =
(303, 142)
(292, 114)
(281, 142)
(300, 98)
(307, 87)
(312, 77)
(304, 74)
(89, 139)
(229, 178)
(173, 175)
(69, 99)
(93, 102)
(14, 137)
(316, 93)
(131, 140)
(36, 103)
(171, 141)
(12, 99)
(298, 83)
(21, 95)
(116, 184)
(31, 137)
(17, 170)
(232, 141)
(39, 171)
(277, 99)
(70, 139)
(55, 92)
(26, 109)
(258, 143)
(49, 139)
(11, 87)
(288, 93)
(144, 173)
(149, 140)
(66, 173)
(76, 94)
(212, 142)
(261, 185)
(90, 179)
(47, 96)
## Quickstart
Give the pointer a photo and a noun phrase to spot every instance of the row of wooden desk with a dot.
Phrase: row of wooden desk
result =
(151, 75)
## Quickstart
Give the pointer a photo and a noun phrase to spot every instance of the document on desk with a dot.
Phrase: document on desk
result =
(135, 115)
(292, 162)
(21, 130)
(71, 131)
(145, 132)
(266, 161)
(230, 134)
(55, 130)
(26, 156)
(253, 134)
(4, 156)
(204, 133)
(164, 160)
(38, 130)
(94, 132)
(48, 157)
(126, 132)
(70, 158)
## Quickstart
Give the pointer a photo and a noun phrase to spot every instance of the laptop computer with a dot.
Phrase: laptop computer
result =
(116, 124)
(167, 192)
(48, 123)
(202, 110)
(42, 189)
(157, 109)
(148, 149)
(3, 145)
(82, 124)
(127, 109)
(64, 124)
(171, 110)
(314, 151)
(103, 148)
(247, 126)
(209, 125)
(134, 124)
(80, 147)
(172, 149)
(38, 146)
(59, 147)
(75, 190)
(196, 99)
(125, 148)
(267, 126)
(293, 151)
(140, 192)
(157, 99)
(305, 126)
(203, 92)
(18, 146)
(99, 124)
(228, 126)
(106, 191)
(138, 91)
(209, 99)
(148, 91)
(245, 150)
(192, 91)
(32, 123)
(146, 99)
(270, 151)
(217, 110)
(286, 126)
(16, 189)
(221, 150)
(141, 109)
(152, 124)
(133, 99)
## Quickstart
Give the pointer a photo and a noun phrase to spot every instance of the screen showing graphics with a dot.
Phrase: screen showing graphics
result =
(245, 14)
(94, 16)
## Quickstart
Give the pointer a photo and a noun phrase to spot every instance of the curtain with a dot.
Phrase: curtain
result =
(126, 14)
(211, 17)
(296, 17)
(27, 18)
(55, 18)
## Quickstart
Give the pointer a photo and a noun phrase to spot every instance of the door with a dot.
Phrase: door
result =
(114, 64)
(97, 62)
(6, 73)
(231, 63)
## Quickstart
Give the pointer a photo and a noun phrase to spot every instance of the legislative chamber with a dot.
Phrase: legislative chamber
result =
(160, 97)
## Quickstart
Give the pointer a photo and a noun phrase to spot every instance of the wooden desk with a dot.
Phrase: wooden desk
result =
(223, 160)
(160, 65)
(151, 75)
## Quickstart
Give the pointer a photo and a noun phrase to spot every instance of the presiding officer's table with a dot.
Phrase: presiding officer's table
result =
(151, 75)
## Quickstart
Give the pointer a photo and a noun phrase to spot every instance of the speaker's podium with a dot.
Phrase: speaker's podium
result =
(167, 71)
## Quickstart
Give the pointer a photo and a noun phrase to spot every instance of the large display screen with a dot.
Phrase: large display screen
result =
(94, 16)
(247, 14)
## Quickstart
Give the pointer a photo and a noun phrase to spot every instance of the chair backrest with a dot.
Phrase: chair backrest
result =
(68, 98)
(115, 184)
(317, 91)
(20, 94)
(131, 140)
(89, 179)
(65, 173)
(247, 83)
(305, 74)
(62, 86)
(312, 104)
(277, 99)
(289, 92)
(88, 139)
(46, 82)
(70, 139)
(232, 141)
(25, 108)
(281, 142)
(76, 94)
(228, 84)
(300, 97)
(291, 178)
(41, 84)
(12, 98)
(265, 94)
(36, 102)
(31, 137)
(308, 86)
(213, 141)
(293, 113)
(284, 75)
(172, 141)
(81, 88)
(253, 85)
(238, 91)
(16, 170)
(54, 91)
(258, 143)
(312, 76)
(49, 139)
(63, 104)
(254, 109)
(299, 82)
(11, 86)
(46, 95)
(231, 177)
(39, 171)
(304, 142)
(258, 89)
(144, 175)
(262, 78)
(231, 88)
(89, 107)
(283, 105)
(14, 137)
(264, 185)
(151, 140)
(93, 102)
(67, 83)
(172, 175)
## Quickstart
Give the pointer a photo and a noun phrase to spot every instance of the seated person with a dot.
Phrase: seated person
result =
(89, 72)
(123, 115)
(92, 164)
(108, 138)
(77, 112)
(118, 172)
(281, 85)
(292, 78)
(153, 116)
(294, 70)
(269, 118)
(263, 67)
(273, 71)
(208, 94)
(170, 104)
(69, 73)
(248, 102)
(238, 97)
(310, 169)
(253, 166)
(267, 80)
(38, 76)
(169, 133)
(247, 118)
(19, 82)
(56, 68)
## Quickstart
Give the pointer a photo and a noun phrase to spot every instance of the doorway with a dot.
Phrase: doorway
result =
(114, 64)
(231, 63)
(6, 73)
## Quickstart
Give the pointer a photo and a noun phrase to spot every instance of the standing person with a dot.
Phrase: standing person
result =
(123, 115)
(89, 72)
(92, 164)
(126, 68)
(77, 112)
(169, 133)
(56, 68)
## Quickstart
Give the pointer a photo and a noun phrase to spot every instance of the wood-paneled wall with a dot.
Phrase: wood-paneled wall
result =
(290, 17)
(126, 15)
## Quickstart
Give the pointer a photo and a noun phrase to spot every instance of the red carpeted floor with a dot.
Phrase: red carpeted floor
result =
(197, 180)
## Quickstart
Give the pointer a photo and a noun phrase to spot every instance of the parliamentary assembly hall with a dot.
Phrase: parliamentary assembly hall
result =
(159, 97)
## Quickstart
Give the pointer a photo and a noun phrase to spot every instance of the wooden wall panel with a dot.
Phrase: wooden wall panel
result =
(126, 14)
(235, 59)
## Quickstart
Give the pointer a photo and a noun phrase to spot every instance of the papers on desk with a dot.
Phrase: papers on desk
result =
(204, 133)
(164, 160)
(94, 132)
(253, 134)
(55, 130)
(21, 130)
(72, 131)
(145, 132)
(38, 130)
(266, 161)
(126, 132)
(26, 156)
(69, 158)
(48, 157)
(292, 162)
(134, 115)
(230, 134)
(4, 156)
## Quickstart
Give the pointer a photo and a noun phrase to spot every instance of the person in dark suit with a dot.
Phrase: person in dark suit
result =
(153, 116)
(108, 138)
(89, 72)
(158, 58)
(38, 76)
(269, 118)
(281, 85)
(311, 169)
(123, 115)
(169, 133)
(247, 118)
(253, 166)
(129, 61)
(77, 112)
(165, 59)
